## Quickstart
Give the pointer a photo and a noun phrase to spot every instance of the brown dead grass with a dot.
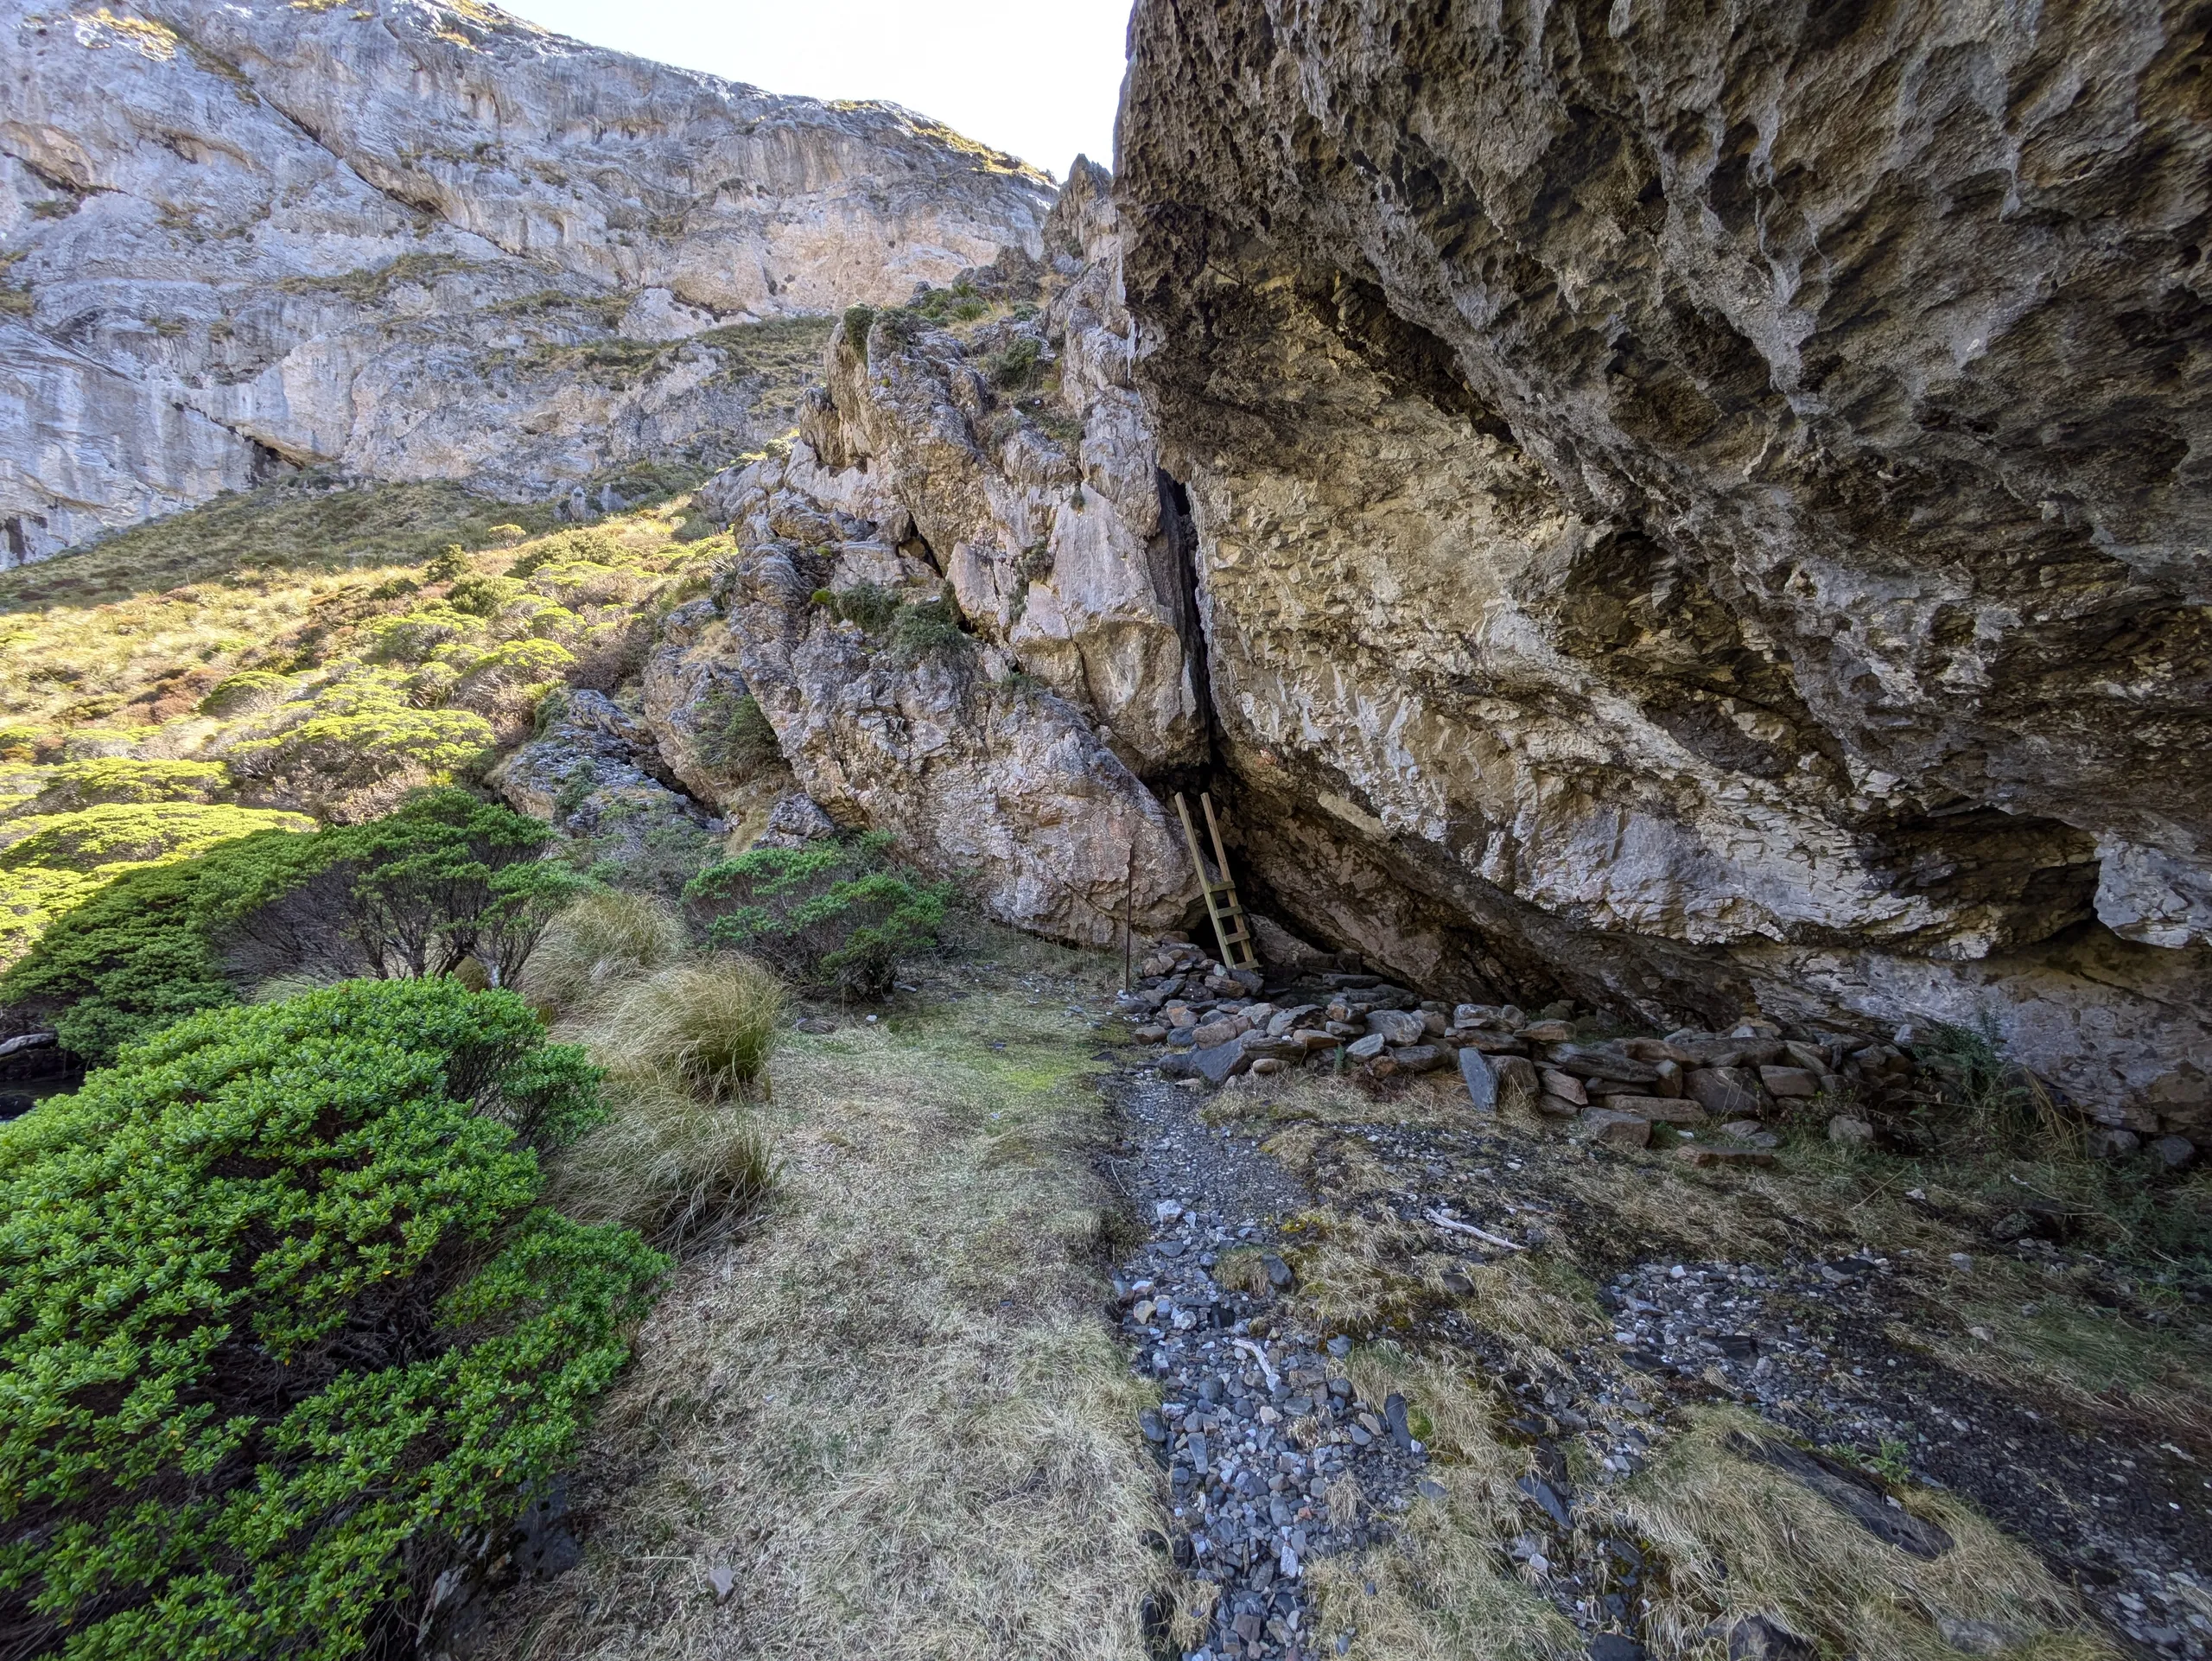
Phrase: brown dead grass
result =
(892, 1414)
(1740, 1538)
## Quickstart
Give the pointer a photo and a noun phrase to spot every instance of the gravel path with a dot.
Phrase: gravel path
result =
(1272, 1457)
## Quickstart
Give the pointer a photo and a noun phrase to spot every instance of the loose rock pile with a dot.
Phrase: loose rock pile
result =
(1720, 1089)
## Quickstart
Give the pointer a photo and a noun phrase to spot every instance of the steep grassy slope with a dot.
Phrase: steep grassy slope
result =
(306, 652)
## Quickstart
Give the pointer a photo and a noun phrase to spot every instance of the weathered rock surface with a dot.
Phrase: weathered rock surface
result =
(593, 773)
(903, 722)
(1696, 513)
(1014, 457)
(423, 241)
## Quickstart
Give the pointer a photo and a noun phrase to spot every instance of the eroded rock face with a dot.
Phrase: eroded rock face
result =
(901, 722)
(421, 241)
(1704, 512)
(595, 772)
(1015, 457)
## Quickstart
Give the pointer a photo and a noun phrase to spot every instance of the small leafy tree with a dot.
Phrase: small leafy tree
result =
(280, 1318)
(448, 877)
(833, 914)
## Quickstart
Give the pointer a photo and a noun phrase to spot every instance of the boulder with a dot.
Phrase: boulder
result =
(1397, 1026)
(1516, 1078)
(1789, 1082)
(1565, 1085)
(1617, 1129)
(1661, 607)
(1722, 1092)
(1851, 1131)
(1660, 1110)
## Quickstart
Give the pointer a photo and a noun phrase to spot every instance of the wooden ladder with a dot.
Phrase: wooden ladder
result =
(1231, 927)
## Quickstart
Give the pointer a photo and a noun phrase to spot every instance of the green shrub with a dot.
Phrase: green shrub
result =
(446, 879)
(858, 320)
(283, 1325)
(734, 733)
(450, 564)
(360, 733)
(125, 779)
(136, 954)
(870, 605)
(914, 629)
(929, 628)
(481, 596)
(1017, 365)
(135, 833)
(958, 304)
(834, 914)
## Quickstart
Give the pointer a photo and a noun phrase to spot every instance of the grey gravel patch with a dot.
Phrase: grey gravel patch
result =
(1262, 1439)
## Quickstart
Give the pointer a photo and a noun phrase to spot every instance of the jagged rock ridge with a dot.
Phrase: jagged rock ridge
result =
(417, 240)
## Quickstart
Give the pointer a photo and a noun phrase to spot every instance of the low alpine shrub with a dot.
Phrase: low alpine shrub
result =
(447, 878)
(834, 914)
(283, 1324)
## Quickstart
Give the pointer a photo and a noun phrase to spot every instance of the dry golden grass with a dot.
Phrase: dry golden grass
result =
(892, 1413)
(1741, 1537)
(603, 939)
(679, 1170)
(710, 1022)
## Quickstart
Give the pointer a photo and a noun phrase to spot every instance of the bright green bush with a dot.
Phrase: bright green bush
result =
(133, 956)
(412, 637)
(447, 878)
(137, 833)
(281, 1323)
(833, 914)
(358, 733)
(122, 779)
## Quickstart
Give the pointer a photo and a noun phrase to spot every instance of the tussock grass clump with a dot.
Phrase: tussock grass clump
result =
(1742, 1537)
(607, 937)
(711, 1023)
(681, 1171)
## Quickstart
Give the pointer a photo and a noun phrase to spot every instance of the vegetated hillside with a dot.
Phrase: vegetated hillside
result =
(421, 241)
(307, 652)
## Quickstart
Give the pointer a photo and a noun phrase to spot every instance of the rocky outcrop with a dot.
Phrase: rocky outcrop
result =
(1011, 454)
(894, 719)
(417, 240)
(592, 772)
(1705, 514)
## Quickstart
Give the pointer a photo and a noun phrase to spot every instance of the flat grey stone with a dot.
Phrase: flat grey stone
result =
(1481, 1080)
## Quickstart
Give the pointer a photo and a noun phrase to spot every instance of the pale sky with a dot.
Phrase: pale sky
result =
(1039, 78)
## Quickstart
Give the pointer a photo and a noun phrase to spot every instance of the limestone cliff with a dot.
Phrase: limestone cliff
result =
(1706, 512)
(959, 600)
(415, 240)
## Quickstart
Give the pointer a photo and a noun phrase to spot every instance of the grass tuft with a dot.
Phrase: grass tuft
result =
(604, 939)
(711, 1023)
(681, 1171)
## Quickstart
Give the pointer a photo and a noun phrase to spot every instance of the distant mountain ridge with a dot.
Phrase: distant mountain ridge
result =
(413, 241)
